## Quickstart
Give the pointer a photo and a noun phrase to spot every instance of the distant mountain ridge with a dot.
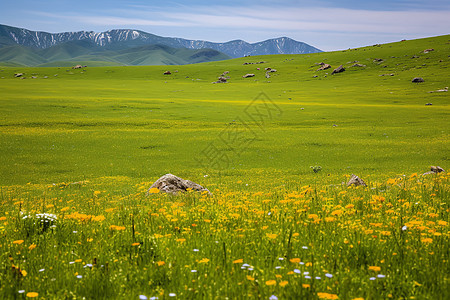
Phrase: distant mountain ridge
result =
(119, 39)
(88, 52)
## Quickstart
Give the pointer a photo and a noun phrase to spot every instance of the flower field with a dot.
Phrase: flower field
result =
(102, 239)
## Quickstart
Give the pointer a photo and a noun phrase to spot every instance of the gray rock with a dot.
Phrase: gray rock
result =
(18, 75)
(355, 180)
(324, 67)
(172, 184)
(417, 79)
(434, 170)
(248, 75)
(339, 69)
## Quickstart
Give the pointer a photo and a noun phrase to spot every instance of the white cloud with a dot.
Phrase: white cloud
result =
(364, 26)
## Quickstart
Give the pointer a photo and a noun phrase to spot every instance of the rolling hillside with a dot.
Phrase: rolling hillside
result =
(135, 121)
(89, 53)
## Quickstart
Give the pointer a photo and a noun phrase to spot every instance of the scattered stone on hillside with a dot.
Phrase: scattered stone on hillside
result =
(271, 71)
(339, 69)
(324, 67)
(45, 77)
(417, 79)
(267, 75)
(18, 75)
(378, 60)
(434, 170)
(172, 184)
(225, 73)
(248, 75)
(358, 65)
(33, 77)
(77, 67)
(440, 90)
(268, 69)
(167, 73)
(415, 56)
(428, 104)
(428, 50)
(221, 79)
(315, 76)
(356, 181)
(390, 74)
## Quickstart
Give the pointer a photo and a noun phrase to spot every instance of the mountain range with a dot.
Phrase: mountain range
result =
(128, 47)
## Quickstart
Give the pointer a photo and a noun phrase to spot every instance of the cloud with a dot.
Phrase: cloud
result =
(295, 21)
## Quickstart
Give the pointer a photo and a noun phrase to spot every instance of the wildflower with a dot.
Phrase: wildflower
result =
(307, 277)
(360, 298)
(153, 191)
(142, 297)
(135, 244)
(193, 271)
(381, 276)
(180, 240)
(442, 223)
(238, 261)
(118, 228)
(250, 278)
(160, 263)
(41, 270)
(283, 283)
(427, 240)
(297, 271)
(271, 282)
(273, 297)
(328, 275)
(374, 268)
(327, 296)
(195, 250)
(372, 278)
(172, 295)
(32, 246)
(294, 260)
(32, 295)
(304, 247)
(18, 242)
(79, 276)
(271, 235)
(318, 278)
(305, 285)
(204, 261)
(404, 228)
(21, 291)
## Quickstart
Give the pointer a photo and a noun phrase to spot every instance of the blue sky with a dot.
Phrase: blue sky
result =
(326, 24)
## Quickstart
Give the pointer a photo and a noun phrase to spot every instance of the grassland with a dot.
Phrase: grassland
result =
(85, 144)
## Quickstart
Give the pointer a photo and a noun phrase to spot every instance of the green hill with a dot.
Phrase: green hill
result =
(75, 52)
(136, 121)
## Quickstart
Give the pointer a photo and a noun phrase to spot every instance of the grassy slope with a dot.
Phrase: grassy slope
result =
(136, 122)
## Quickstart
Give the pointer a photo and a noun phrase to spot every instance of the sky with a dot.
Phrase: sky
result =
(325, 24)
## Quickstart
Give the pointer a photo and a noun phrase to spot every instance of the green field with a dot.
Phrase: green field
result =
(112, 131)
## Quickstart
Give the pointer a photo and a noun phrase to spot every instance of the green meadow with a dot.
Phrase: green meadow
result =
(85, 145)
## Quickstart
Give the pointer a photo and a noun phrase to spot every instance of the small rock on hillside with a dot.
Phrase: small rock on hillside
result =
(172, 184)
(356, 181)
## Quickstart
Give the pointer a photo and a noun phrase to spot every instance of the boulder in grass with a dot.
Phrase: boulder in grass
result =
(356, 181)
(417, 80)
(323, 67)
(167, 73)
(434, 170)
(172, 184)
(339, 69)
(248, 75)
(18, 75)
